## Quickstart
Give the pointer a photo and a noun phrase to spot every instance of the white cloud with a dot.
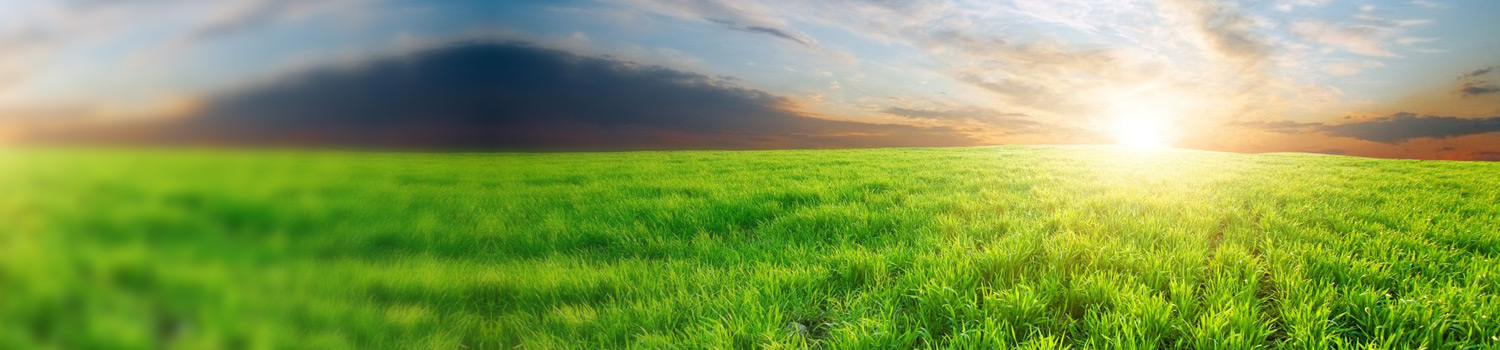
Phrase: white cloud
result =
(1347, 68)
(1364, 40)
(1409, 41)
(1365, 33)
(1428, 4)
(1289, 5)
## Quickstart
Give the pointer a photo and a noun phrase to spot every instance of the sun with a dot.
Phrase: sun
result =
(1142, 129)
(1146, 116)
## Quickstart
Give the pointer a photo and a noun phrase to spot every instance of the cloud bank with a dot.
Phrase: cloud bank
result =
(1392, 129)
(516, 95)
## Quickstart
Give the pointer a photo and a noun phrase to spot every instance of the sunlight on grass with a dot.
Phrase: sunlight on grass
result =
(956, 248)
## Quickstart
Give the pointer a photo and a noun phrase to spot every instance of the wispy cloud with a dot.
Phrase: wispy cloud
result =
(1289, 5)
(742, 16)
(1476, 73)
(1478, 89)
(779, 33)
(1226, 27)
(1475, 83)
(1409, 41)
(1428, 4)
(1364, 40)
(1348, 68)
(1366, 33)
(1010, 122)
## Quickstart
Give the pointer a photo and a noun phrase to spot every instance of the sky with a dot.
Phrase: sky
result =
(1402, 79)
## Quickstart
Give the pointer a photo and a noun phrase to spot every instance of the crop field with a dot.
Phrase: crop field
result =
(922, 248)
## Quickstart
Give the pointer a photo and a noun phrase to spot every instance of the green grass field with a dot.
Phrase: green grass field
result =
(950, 248)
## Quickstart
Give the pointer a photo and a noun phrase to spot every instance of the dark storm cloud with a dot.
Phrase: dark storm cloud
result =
(1400, 127)
(490, 94)
(1392, 129)
(1485, 155)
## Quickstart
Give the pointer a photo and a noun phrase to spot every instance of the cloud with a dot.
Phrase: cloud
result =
(1344, 69)
(969, 114)
(742, 16)
(1226, 27)
(1065, 61)
(1400, 127)
(1478, 89)
(1289, 5)
(1281, 126)
(1392, 129)
(1070, 13)
(1365, 34)
(1010, 122)
(511, 94)
(779, 33)
(240, 17)
(1477, 73)
(1428, 4)
(1360, 39)
(1485, 155)
(1409, 41)
(1473, 83)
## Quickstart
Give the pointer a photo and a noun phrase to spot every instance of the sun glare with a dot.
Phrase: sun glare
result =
(1146, 116)
(1144, 130)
